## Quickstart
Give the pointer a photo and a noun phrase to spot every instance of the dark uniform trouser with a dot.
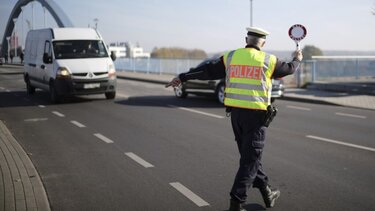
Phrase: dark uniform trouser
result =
(250, 136)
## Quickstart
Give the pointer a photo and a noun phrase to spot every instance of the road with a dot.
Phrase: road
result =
(148, 150)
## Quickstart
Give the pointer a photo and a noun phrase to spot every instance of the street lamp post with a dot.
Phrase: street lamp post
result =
(96, 20)
(22, 8)
(15, 44)
(8, 39)
(251, 12)
(44, 11)
(32, 15)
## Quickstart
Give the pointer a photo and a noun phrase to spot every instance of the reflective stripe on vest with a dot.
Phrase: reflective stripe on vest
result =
(248, 78)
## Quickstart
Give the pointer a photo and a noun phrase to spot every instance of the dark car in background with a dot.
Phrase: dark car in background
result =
(216, 87)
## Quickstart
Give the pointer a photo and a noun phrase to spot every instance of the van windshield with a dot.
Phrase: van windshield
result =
(75, 49)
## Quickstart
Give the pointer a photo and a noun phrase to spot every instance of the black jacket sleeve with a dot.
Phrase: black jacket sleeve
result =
(215, 69)
(211, 70)
(285, 68)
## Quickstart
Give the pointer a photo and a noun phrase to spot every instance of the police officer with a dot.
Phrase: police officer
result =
(248, 72)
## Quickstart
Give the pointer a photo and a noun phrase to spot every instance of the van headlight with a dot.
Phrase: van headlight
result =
(111, 72)
(62, 72)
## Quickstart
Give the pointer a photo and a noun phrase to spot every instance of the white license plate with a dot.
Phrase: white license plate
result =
(91, 86)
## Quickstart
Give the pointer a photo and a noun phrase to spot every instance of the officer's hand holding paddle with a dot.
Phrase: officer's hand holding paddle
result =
(298, 55)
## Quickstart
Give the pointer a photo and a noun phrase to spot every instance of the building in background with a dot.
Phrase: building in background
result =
(126, 49)
(119, 49)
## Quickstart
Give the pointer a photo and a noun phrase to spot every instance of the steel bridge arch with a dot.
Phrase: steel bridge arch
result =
(57, 13)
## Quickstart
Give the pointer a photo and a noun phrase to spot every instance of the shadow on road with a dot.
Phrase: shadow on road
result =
(166, 101)
(253, 207)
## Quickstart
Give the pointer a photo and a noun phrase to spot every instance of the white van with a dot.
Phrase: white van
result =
(68, 61)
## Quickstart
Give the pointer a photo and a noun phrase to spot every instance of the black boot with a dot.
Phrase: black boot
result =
(235, 206)
(269, 196)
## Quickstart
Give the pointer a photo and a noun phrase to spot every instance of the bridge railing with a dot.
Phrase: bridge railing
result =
(155, 66)
(328, 68)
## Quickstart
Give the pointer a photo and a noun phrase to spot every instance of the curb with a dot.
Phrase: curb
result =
(23, 188)
(306, 100)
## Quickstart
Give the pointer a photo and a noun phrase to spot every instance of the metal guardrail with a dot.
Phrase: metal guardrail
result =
(325, 68)
(156, 66)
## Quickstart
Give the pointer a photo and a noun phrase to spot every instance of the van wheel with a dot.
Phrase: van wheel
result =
(220, 93)
(110, 95)
(180, 92)
(54, 97)
(29, 88)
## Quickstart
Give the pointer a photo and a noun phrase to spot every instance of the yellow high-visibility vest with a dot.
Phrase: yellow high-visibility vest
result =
(248, 78)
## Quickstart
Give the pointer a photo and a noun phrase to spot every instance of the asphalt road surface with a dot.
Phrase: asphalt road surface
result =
(147, 150)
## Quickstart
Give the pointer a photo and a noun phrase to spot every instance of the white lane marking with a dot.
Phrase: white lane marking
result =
(189, 194)
(351, 115)
(139, 160)
(123, 96)
(58, 114)
(35, 119)
(198, 112)
(340, 143)
(41, 106)
(299, 108)
(77, 124)
(2, 88)
(103, 138)
(7, 90)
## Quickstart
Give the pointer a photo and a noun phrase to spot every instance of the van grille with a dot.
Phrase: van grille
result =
(85, 74)
(100, 73)
(80, 74)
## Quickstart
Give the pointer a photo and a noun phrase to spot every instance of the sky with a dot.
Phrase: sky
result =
(214, 25)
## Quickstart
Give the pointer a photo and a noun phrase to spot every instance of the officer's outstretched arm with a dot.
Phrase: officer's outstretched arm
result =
(174, 82)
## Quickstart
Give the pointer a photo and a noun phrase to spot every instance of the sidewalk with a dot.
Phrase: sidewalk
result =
(20, 185)
(312, 94)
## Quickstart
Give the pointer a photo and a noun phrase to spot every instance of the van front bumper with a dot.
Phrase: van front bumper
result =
(71, 86)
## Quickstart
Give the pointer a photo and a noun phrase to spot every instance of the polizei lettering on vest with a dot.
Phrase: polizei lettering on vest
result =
(244, 71)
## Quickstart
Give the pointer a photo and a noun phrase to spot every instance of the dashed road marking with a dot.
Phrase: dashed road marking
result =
(103, 138)
(58, 114)
(139, 160)
(123, 96)
(2, 87)
(351, 115)
(299, 108)
(35, 119)
(198, 112)
(77, 124)
(340, 143)
(41, 106)
(189, 194)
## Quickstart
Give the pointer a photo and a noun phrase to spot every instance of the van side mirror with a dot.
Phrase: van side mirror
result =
(47, 59)
(113, 56)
